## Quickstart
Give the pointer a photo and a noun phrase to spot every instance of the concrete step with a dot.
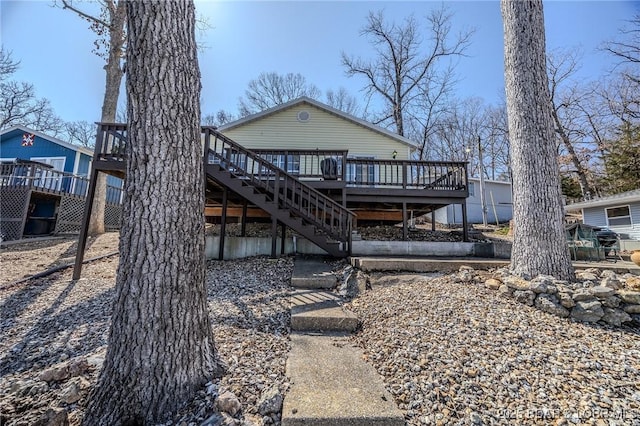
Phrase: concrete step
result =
(317, 310)
(331, 384)
(312, 273)
(370, 264)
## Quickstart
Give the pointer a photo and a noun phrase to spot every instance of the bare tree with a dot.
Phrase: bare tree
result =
(565, 95)
(81, 133)
(161, 346)
(271, 89)
(19, 104)
(627, 49)
(218, 119)
(343, 101)
(403, 65)
(8, 66)
(539, 245)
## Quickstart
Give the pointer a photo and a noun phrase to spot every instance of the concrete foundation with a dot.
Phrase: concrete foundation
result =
(239, 247)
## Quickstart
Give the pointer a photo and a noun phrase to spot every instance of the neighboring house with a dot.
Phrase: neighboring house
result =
(498, 203)
(42, 176)
(620, 213)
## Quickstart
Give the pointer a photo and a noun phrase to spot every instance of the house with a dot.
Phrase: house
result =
(620, 213)
(498, 202)
(305, 166)
(44, 181)
(372, 165)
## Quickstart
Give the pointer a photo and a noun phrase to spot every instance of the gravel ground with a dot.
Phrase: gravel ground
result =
(450, 352)
(455, 353)
(55, 325)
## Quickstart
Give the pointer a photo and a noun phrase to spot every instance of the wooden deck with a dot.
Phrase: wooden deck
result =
(363, 185)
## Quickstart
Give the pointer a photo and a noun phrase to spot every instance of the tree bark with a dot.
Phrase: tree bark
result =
(539, 245)
(161, 347)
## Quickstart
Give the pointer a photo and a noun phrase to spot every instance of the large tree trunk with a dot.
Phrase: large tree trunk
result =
(539, 245)
(161, 347)
(113, 78)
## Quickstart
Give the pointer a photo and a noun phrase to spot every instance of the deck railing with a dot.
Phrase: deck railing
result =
(45, 179)
(407, 174)
(307, 163)
(110, 142)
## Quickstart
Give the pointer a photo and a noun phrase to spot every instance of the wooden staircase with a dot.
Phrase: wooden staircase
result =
(288, 200)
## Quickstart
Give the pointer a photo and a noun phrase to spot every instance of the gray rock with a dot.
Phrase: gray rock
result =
(550, 304)
(588, 275)
(629, 296)
(615, 317)
(505, 291)
(611, 282)
(56, 374)
(607, 273)
(525, 296)
(54, 417)
(587, 311)
(71, 393)
(601, 292)
(270, 401)
(566, 300)
(583, 295)
(611, 302)
(221, 419)
(538, 286)
(632, 309)
(228, 403)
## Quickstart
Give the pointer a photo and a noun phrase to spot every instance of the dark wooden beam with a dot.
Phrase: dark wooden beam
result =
(223, 224)
(84, 227)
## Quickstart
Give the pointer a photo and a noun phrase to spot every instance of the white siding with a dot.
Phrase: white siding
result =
(323, 130)
(501, 200)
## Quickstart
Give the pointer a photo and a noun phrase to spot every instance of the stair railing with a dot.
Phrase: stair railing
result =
(283, 188)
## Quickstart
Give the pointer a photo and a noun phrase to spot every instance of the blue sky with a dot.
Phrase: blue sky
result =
(247, 38)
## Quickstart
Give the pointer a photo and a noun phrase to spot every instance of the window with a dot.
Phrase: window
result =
(472, 189)
(618, 216)
(289, 163)
(361, 174)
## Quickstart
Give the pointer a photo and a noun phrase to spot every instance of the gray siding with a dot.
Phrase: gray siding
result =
(596, 216)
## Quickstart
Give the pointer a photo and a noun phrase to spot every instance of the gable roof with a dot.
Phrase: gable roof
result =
(623, 197)
(333, 111)
(23, 129)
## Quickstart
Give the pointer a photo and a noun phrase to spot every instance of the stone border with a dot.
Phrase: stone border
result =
(597, 296)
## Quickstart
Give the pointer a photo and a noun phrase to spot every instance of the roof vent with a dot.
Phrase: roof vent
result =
(303, 116)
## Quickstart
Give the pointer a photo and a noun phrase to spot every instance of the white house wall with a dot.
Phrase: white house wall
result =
(323, 130)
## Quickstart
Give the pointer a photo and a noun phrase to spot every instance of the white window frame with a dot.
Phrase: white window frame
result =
(46, 179)
(606, 213)
(472, 189)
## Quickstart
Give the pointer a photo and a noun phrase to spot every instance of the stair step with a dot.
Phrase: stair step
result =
(317, 310)
(331, 384)
(312, 274)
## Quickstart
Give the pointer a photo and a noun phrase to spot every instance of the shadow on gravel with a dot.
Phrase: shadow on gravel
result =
(48, 338)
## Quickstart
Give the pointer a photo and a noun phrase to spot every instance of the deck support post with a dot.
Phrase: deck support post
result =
(405, 230)
(433, 220)
(223, 223)
(243, 225)
(84, 227)
(274, 236)
(283, 237)
(344, 197)
(465, 225)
